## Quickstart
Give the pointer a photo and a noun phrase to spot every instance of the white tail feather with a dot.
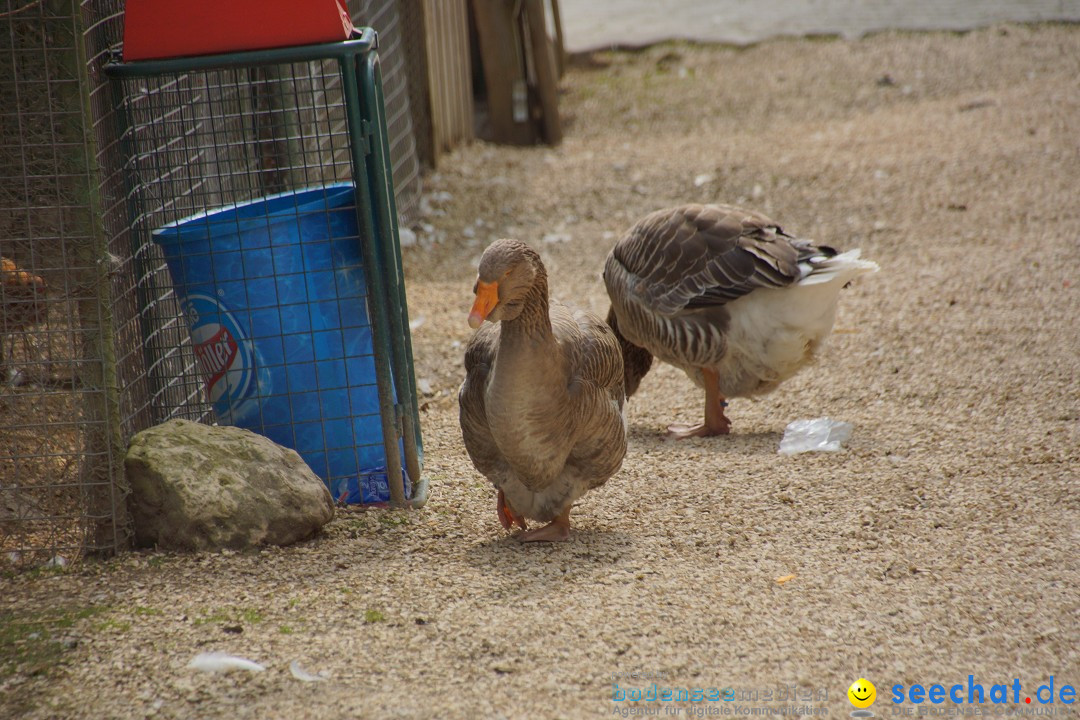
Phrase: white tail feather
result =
(843, 267)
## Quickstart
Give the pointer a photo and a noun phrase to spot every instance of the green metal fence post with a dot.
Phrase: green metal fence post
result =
(404, 373)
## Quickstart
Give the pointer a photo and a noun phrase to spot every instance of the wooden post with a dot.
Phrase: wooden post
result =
(101, 472)
(449, 79)
(501, 53)
(560, 45)
(547, 77)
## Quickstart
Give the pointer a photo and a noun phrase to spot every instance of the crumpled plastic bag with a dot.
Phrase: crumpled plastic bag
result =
(818, 435)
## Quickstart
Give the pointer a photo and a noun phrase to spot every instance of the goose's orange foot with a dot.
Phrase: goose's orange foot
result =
(555, 531)
(716, 422)
(507, 516)
(678, 431)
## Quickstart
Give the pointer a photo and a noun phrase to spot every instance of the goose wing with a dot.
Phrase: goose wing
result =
(699, 256)
(595, 392)
(479, 357)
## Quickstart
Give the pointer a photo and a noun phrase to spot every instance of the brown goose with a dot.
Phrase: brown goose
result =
(541, 407)
(725, 295)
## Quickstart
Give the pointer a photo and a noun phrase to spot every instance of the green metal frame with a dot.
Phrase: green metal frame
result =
(358, 60)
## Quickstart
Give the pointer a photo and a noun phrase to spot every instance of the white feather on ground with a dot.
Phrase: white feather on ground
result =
(300, 674)
(222, 662)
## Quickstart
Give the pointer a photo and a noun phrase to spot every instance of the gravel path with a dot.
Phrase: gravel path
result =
(634, 23)
(942, 543)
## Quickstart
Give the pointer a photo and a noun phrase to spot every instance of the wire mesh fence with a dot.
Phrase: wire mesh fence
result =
(58, 472)
(202, 140)
(94, 345)
(244, 178)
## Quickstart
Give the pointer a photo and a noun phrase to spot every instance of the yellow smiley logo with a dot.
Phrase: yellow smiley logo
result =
(862, 693)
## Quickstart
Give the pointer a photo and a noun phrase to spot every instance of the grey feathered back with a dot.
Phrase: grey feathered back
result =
(705, 255)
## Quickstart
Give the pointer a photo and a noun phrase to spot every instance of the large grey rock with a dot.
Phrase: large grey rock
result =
(196, 487)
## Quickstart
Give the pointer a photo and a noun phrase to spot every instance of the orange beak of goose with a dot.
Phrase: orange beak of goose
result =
(487, 297)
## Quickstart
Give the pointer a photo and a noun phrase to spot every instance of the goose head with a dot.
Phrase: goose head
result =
(509, 272)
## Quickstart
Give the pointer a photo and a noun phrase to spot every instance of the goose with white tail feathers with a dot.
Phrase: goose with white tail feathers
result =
(724, 294)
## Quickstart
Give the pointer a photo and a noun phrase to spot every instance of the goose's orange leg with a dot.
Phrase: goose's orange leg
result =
(507, 516)
(716, 423)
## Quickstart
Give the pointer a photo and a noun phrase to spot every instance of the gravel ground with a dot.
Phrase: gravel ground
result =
(941, 543)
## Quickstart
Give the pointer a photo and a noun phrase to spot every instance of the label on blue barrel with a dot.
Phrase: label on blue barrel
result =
(224, 356)
(371, 487)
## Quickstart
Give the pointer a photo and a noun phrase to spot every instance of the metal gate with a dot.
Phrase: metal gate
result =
(74, 383)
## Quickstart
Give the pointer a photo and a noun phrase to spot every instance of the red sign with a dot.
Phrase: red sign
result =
(175, 28)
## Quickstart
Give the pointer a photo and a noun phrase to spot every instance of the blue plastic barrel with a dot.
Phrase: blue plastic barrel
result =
(276, 302)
